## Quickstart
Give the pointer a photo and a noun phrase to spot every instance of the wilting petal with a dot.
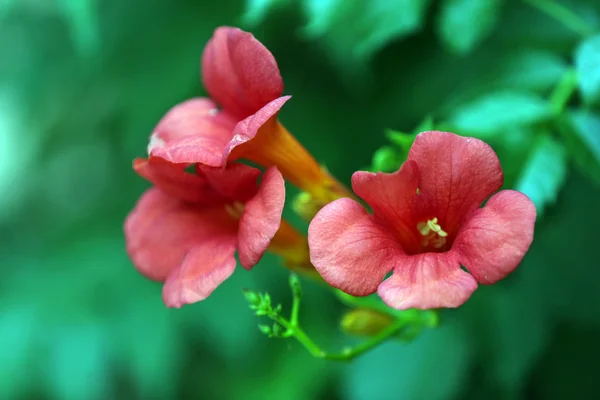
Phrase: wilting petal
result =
(161, 230)
(350, 250)
(430, 280)
(247, 130)
(194, 131)
(236, 182)
(175, 181)
(261, 218)
(456, 175)
(393, 198)
(239, 72)
(204, 268)
(493, 242)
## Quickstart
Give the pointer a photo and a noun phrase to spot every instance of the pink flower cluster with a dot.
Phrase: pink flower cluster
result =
(426, 220)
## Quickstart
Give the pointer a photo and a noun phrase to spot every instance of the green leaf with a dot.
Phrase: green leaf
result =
(587, 63)
(81, 16)
(79, 358)
(464, 24)
(529, 69)
(386, 159)
(493, 113)
(583, 142)
(7, 6)
(266, 329)
(257, 10)
(354, 30)
(544, 172)
(433, 366)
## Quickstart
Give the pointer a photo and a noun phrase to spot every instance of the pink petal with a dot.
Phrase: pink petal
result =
(247, 129)
(161, 230)
(424, 281)
(393, 198)
(174, 181)
(261, 218)
(192, 132)
(456, 175)
(493, 242)
(236, 182)
(239, 72)
(204, 268)
(350, 250)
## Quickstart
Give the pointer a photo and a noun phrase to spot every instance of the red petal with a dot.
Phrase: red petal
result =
(239, 72)
(393, 198)
(424, 281)
(247, 129)
(204, 268)
(192, 132)
(493, 242)
(350, 250)
(456, 175)
(173, 180)
(261, 218)
(161, 230)
(236, 182)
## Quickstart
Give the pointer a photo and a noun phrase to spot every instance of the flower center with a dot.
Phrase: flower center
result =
(235, 209)
(433, 234)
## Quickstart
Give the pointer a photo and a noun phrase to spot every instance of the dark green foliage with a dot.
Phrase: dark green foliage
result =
(82, 84)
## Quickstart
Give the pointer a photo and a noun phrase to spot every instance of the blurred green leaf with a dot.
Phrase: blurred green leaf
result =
(431, 367)
(587, 63)
(583, 142)
(82, 19)
(493, 113)
(6, 6)
(464, 24)
(529, 69)
(257, 10)
(386, 159)
(544, 173)
(79, 359)
(354, 30)
(18, 327)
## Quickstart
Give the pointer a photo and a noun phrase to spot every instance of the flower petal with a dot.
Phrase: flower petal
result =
(429, 280)
(393, 198)
(493, 242)
(192, 132)
(161, 230)
(248, 128)
(236, 182)
(349, 249)
(261, 218)
(239, 72)
(456, 175)
(173, 180)
(204, 268)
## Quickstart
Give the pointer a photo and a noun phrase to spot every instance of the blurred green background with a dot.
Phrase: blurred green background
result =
(82, 84)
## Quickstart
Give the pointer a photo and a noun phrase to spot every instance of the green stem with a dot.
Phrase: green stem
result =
(349, 353)
(563, 15)
(563, 91)
(294, 282)
(300, 335)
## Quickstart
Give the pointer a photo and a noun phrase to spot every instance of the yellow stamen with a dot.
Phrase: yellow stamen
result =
(235, 209)
(433, 233)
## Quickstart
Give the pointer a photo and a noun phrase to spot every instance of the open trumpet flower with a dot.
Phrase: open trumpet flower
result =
(240, 119)
(426, 223)
(185, 230)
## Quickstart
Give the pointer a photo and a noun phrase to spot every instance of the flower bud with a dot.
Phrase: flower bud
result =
(365, 322)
